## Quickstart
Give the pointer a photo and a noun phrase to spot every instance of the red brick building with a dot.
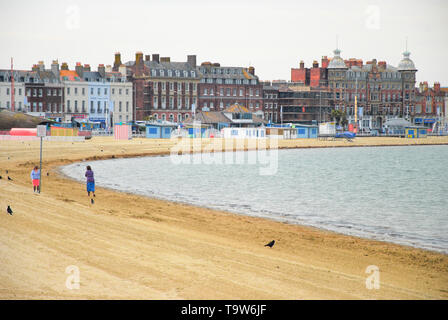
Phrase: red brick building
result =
(430, 104)
(162, 89)
(221, 87)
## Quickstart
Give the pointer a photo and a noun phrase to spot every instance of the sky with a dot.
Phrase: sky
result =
(271, 35)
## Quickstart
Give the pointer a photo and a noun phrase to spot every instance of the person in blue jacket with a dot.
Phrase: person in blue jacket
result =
(90, 182)
(35, 178)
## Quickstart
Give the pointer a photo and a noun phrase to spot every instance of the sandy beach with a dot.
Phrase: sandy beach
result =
(131, 247)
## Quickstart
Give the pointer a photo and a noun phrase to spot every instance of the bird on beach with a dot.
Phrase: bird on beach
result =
(48, 173)
(270, 244)
(9, 210)
(9, 178)
(6, 171)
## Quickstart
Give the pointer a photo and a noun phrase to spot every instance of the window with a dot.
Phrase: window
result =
(105, 91)
(205, 91)
(119, 106)
(155, 102)
(76, 105)
(127, 106)
(76, 91)
(234, 92)
(171, 86)
(92, 109)
(99, 91)
(228, 92)
(113, 90)
(68, 91)
(127, 92)
(171, 103)
(83, 106)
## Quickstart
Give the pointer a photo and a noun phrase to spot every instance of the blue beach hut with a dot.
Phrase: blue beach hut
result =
(159, 130)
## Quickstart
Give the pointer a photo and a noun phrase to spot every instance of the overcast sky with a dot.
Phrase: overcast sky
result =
(271, 35)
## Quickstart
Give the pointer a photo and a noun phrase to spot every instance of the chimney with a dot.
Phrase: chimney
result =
(64, 66)
(216, 64)
(108, 68)
(324, 62)
(155, 57)
(87, 68)
(165, 59)
(139, 58)
(117, 61)
(55, 68)
(102, 70)
(41, 66)
(191, 59)
(315, 64)
(122, 70)
(35, 67)
(437, 86)
(147, 57)
(302, 64)
(252, 70)
(79, 70)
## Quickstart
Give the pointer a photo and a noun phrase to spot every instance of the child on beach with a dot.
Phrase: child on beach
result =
(35, 178)
(90, 183)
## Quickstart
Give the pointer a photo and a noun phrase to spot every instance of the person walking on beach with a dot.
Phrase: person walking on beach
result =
(35, 178)
(90, 183)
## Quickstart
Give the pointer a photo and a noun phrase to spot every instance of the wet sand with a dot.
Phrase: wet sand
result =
(131, 247)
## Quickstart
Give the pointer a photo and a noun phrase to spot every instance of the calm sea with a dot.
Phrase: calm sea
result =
(395, 194)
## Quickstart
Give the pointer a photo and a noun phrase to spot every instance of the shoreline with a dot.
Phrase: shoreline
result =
(302, 251)
(237, 212)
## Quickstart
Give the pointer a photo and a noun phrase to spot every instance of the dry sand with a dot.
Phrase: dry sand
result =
(132, 247)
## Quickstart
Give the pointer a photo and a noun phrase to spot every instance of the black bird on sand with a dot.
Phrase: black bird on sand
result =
(270, 244)
(9, 210)
(48, 173)
(6, 171)
(9, 178)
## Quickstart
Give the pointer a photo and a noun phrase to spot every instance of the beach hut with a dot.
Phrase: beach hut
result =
(122, 131)
(414, 132)
(244, 133)
(159, 130)
(306, 131)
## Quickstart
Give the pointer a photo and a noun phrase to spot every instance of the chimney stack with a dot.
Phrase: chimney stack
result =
(102, 70)
(315, 64)
(64, 66)
(302, 64)
(252, 70)
(117, 61)
(155, 57)
(191, 59)
(55, 68)
(147, 57)
(41, 66)
(122, 70)
(324, 62)
(108, 68)
(437, 86)
(165, 59)
(78, 68)
(35, 67)
(139, 58)
(86, 68)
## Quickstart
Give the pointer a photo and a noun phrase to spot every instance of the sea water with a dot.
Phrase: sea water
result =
(395, 194)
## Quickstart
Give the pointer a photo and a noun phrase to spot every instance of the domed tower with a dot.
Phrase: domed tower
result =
(337, 76)
(407, 71)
